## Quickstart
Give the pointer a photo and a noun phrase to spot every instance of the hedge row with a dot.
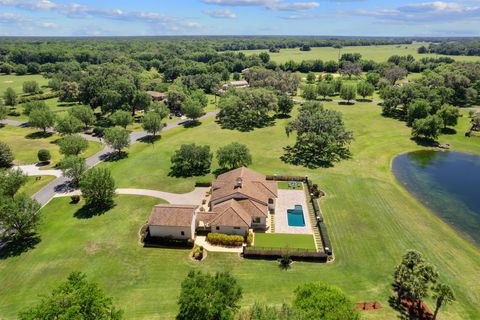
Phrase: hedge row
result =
(275, 254)
(43, 96)
(224, 239)
(287, 178)
(322, 228)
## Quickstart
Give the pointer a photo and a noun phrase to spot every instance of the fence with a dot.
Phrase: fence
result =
(275, 253)
(322, 228)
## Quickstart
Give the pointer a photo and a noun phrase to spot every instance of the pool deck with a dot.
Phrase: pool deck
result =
(287, 199)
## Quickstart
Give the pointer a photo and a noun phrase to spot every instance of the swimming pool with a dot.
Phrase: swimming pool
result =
(295, 217)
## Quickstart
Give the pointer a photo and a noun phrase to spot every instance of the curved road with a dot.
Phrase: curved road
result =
(59, 186)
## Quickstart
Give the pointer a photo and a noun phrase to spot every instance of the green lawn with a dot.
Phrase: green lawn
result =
(376, 53)
(16, 82)
(280, 240)
(371, 220)
(34, 184)
(25, 143)
(286, 185)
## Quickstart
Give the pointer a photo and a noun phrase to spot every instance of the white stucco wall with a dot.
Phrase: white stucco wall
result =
(174, 232)
(230, 230)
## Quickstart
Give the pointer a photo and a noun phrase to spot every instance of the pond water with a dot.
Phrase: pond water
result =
(446, 182)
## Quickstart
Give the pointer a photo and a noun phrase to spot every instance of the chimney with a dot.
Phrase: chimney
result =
(239, 183)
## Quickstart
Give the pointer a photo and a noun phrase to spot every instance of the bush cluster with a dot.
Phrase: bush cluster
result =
(224, 239)
(43, 96)
(197, 252)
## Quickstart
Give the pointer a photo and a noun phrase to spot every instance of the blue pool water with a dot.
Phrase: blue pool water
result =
(295, 217)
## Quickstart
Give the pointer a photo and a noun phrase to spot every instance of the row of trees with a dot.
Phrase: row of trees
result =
(193, 160)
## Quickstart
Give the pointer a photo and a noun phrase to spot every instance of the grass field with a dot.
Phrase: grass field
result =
(25, 143)
(376, 53)
(33, 184)
(286, 185)
(371, 220)
(16, 82)
(279, 240)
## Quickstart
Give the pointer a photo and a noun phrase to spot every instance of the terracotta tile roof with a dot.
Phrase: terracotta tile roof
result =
(156, 94)
(254, 186)
(174, 215)
(231, 214)
(254, 209)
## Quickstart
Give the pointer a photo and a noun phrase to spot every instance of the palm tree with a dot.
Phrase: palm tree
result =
(443, 294)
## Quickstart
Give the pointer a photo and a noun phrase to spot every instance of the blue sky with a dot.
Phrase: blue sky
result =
(239, 17)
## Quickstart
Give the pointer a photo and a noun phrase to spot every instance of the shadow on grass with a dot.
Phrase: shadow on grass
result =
(115, 156)
(424, 142)
(283, 116)
(346, 103)
(220, 171)
(150, 139)
(14, 248)
(191, 123)
(449, 131)
(89, 211)
(364, 100)
(39, 135)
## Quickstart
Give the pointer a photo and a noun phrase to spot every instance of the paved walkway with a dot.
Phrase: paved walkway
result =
(35, 170)
(59, 186)
(195, 197)
(287, 199)
(201, 241)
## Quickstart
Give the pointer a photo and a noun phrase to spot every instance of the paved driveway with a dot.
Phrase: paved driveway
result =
(287, 199)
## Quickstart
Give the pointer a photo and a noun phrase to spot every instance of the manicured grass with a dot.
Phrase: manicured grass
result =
(16, 82)
(57, 107)
(34, 184)
(285, 241)
(25, 143)
(371, 221)
(376, 53)
(286, 185)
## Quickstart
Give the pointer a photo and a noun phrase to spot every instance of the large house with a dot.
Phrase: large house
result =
(241, 199)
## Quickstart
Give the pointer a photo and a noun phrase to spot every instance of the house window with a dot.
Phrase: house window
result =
(256, 220)
(270, 201)
(236, 228)
(217, 228)
(182, 233)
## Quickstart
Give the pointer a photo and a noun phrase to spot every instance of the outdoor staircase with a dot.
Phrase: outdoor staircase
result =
(313, 221)
(272, 223)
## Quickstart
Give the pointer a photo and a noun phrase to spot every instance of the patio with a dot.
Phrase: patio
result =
(287, 199)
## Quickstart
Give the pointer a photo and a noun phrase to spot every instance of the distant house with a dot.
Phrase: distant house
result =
(241, 199)
(172, 221)
(157, 96)
(235, 84)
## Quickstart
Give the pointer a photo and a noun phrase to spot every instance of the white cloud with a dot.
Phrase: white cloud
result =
(267, 4)
(18, 20)
(437, 11)
(221, 13)
(78, 11)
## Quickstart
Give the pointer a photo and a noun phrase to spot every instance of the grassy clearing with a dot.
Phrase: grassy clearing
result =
(288, 186)
(371, 220)
(25, 143)
(279, 240)
(376, 53)
(33, 184)
(16, 82)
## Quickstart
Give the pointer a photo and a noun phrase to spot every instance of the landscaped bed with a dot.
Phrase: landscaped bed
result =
(290, 185)
(283, 240)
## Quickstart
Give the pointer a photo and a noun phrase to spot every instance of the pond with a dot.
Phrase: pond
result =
(446, 182)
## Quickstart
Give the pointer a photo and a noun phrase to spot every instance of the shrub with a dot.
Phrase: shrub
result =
(44, 155)
(224, 239)
(75, 199)
(285, 261)
(197, 252)
(250, 238)
(6, 155)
